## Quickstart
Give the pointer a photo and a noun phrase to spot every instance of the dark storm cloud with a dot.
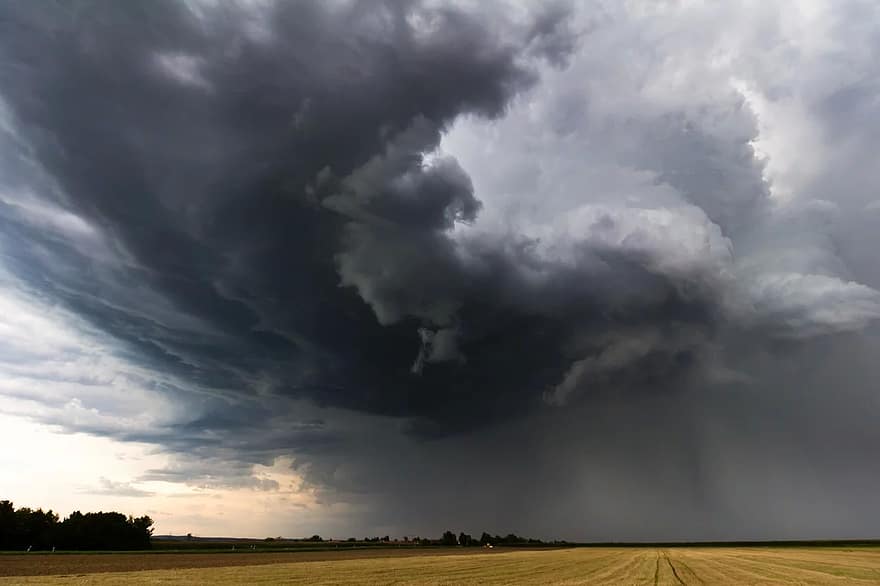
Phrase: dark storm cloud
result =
(237, 163)
(266, 173)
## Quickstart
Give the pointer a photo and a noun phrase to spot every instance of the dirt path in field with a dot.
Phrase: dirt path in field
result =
(46, 564)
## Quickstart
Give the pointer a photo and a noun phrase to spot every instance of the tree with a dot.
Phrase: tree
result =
(143, 524)
(7, 525)
(449, 538)
(23, 528)
(465, 540)
(485, 538)
(105, 531)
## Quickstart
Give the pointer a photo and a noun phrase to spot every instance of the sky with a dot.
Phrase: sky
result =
(598, 270)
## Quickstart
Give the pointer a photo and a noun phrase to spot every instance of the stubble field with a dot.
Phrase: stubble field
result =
(679, 565)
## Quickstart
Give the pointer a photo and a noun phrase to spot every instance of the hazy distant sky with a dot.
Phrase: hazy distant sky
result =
(597, 270)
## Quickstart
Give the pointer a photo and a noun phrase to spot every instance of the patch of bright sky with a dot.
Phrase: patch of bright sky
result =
(45, 468)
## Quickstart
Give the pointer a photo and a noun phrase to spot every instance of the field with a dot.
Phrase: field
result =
(594, 565)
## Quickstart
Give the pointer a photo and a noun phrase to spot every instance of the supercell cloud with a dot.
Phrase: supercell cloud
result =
(594, 271)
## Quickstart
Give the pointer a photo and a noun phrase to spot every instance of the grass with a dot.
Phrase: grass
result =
(565, 566)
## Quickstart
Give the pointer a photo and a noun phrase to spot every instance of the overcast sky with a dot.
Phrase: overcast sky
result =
(600, 270)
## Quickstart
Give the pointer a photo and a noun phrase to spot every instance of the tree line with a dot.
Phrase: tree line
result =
(448, 539)
(32, 530)
(463, 539)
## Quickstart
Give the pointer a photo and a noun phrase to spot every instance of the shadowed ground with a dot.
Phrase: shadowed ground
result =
(684, 565)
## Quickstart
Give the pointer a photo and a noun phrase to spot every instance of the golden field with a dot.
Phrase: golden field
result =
(679, 565)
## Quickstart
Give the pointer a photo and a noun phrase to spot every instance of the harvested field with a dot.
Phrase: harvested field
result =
(678, 565)
(44, 564)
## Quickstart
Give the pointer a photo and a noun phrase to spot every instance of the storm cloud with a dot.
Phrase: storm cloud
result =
(569, 257)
